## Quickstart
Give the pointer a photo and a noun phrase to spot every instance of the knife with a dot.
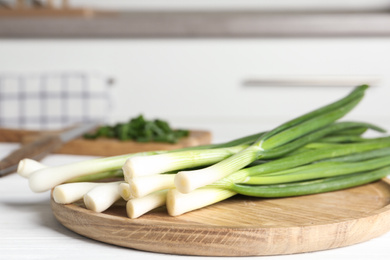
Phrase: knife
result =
(41, 147)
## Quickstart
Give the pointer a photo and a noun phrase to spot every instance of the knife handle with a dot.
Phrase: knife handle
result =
(35, 150)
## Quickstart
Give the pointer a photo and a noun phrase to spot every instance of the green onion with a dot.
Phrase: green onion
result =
(142, 186)
(49, 177)
(315, 136)
(187, 181)
(313, 186)
(290, 134)
(289, 162)
(318, 170)
(178, 203)
(188, 157)
(101, 197)
(360, 156)
(71, 192)
(148, 165)
(28, 166)
(124, 191)
(114, 174)
(136, 207)
(43, 178)
(358, 92)
(311, 156)
(353, 132)
(342, 139)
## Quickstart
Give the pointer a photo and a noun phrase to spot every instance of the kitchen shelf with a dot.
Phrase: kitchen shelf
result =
(201, 24)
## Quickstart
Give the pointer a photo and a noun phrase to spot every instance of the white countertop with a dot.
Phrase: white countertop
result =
(28, 229)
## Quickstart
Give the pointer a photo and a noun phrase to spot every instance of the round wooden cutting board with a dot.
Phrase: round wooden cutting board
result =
(243, 226)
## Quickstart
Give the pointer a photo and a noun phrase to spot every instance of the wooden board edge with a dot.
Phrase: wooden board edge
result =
(105, 147)
(224, 241)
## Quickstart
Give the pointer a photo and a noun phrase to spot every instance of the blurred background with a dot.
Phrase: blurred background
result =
(229, 67)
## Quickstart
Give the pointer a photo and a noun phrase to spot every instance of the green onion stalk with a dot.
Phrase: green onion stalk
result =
(143, 185)
(43, 178)
(178, 203)
(366, 156)
(312, 186)
(279, 141)
(268, 180)
(111, 167)
(47, 178)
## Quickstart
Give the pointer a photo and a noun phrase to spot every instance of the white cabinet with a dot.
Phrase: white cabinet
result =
(202, 83)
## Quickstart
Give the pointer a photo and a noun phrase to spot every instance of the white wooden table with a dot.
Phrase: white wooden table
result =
(28, 229)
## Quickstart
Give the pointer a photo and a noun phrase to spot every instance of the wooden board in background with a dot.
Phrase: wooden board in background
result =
(9, 135)
(107, 147)
(243, 226)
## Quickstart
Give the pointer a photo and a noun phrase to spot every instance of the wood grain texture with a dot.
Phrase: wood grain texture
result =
(105, 147)
(243, 226)
(14, 135)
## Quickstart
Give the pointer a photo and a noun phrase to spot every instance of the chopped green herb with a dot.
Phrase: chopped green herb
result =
(140, 130)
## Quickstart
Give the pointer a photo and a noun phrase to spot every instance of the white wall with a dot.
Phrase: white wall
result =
(199, 83)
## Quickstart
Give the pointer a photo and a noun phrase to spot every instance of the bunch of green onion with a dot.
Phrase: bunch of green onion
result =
(310, 154)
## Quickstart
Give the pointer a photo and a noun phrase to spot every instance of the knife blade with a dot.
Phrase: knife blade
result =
(41, 147)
